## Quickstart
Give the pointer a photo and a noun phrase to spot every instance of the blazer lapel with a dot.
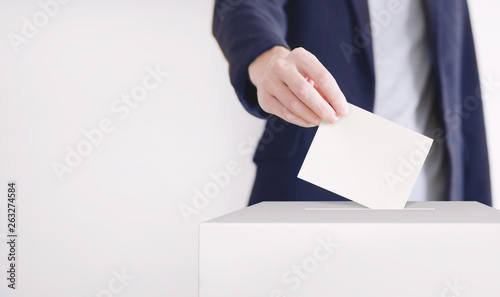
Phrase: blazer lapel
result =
(362, 21)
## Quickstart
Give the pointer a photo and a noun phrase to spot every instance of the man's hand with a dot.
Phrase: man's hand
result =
(295, 86)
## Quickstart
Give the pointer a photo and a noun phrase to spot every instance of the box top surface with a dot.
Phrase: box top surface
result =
(351, 212)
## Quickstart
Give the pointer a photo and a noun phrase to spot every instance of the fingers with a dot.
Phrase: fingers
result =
(310, 96)
(272, 105)
(297, 87)
(282, 93)
(309, 66)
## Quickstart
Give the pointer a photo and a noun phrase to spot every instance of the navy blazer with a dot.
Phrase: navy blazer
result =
(338, 33)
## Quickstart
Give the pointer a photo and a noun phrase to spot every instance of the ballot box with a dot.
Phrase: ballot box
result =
(329, 249)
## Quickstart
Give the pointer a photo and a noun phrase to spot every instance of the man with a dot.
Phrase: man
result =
(410, 61)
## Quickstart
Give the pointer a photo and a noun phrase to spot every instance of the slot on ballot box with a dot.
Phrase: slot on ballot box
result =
(328, 249)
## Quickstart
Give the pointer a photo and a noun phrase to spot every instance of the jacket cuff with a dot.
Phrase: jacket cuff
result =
(240, 79)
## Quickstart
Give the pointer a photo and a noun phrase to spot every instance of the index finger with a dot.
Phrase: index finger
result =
(309, 66)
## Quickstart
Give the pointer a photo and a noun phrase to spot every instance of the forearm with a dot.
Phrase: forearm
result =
(244, 33)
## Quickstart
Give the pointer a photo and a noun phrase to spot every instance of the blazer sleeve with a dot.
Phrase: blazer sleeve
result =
(245, 29)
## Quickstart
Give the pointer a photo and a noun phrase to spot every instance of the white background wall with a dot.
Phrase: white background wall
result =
(119, 208)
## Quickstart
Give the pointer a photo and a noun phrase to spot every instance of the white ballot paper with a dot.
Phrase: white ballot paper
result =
(367, 159)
